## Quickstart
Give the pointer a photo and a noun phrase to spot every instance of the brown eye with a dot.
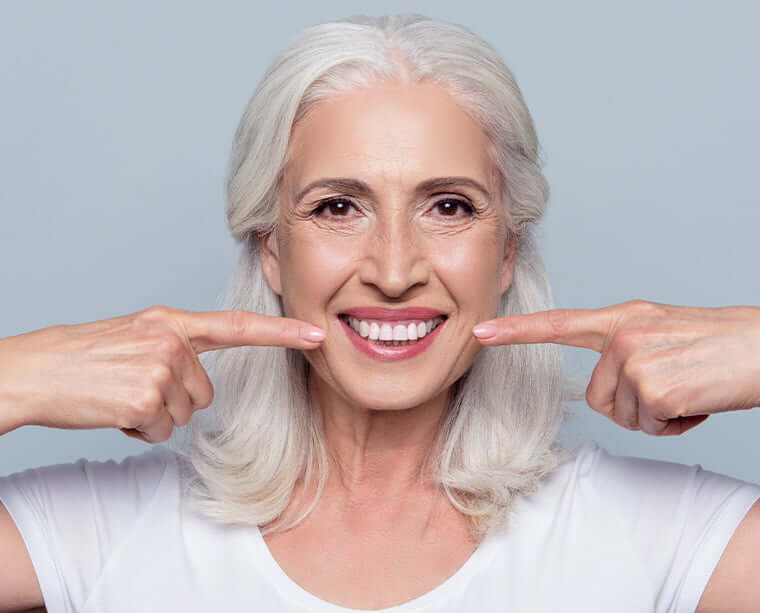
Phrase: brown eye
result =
(448, 207)
(336, 207)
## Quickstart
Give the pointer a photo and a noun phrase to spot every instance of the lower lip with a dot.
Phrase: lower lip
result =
(389, 352)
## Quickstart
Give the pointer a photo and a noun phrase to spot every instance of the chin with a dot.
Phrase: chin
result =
(385, 397)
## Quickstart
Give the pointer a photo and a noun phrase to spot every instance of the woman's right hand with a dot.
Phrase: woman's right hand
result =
(138, 372)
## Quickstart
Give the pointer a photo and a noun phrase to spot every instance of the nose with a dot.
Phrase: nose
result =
(394, 260)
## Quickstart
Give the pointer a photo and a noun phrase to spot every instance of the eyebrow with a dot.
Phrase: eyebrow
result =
(359, 187)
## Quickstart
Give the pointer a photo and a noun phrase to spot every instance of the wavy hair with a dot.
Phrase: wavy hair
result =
(260, 435)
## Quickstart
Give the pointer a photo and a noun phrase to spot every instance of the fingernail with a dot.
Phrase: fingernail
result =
(484, 330)
(309, 333)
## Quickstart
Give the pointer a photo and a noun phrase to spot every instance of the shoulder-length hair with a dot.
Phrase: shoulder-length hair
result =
(260, 436)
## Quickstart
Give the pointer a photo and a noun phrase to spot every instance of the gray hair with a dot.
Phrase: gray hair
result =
(260, 436)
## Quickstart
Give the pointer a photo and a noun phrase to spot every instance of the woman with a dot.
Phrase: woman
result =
(385, 184)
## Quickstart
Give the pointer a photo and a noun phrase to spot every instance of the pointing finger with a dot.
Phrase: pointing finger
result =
(212, 330)
(576, 327)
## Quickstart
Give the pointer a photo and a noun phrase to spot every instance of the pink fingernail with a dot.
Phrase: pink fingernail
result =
(484, 330)
(309, 333)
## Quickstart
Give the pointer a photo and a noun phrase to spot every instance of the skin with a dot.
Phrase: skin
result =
(398, 250)
(392, 248)
(663, 369)
(138, 372)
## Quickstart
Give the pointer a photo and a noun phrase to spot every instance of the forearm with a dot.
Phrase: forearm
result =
(11, 409)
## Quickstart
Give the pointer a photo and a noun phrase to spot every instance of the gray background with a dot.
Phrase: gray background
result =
(117, 122)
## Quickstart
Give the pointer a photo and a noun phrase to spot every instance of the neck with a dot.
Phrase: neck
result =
(377, 453)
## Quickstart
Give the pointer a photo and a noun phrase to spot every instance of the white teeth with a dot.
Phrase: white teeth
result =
(374, 330)
(363, 329)
(411, 332)
(386, 333)
(399, 333)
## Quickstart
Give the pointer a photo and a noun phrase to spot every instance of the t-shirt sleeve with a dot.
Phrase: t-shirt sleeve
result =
(680, 519)
(73, 516)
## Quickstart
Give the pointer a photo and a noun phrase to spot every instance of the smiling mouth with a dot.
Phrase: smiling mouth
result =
(380, 328)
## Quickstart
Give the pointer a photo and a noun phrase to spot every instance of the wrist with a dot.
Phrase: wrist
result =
(756, 336)
(10, 404)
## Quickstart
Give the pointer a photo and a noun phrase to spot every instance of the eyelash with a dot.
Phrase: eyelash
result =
(317, 210)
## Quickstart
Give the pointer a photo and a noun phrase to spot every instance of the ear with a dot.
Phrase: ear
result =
(508, 264)
(270, 261)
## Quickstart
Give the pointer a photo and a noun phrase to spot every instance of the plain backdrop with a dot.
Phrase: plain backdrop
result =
(116, 122)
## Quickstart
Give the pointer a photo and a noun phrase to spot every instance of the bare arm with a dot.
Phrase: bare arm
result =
(734, 585)
(19, 588)
(663, 370)
(139, 372)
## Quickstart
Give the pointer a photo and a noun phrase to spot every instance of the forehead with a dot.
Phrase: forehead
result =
(403, 132)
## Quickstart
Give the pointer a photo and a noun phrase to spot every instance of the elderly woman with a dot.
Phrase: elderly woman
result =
(383, 433)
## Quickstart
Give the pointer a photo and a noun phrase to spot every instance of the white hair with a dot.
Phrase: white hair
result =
(260, 436)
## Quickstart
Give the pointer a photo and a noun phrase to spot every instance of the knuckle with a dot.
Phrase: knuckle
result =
(170, 346)
(160, 374)
(182, 418)
(206, 397)
(148, 403)
(126, 418)
(647, 396)
(624, 418)
(285, 332)
(654, 397)
(202, 389)
(238, 321)
(624, 342)
(159, 436)
(557, 319)
(637, 303)
(630, 422)
(645, 308)
(632, 370)
(157, 311)
(654, 428)
(592, 398)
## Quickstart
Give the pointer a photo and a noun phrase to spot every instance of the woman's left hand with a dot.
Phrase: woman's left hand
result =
(664, 369)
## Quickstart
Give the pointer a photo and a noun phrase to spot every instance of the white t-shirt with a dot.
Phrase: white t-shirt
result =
(604, 533)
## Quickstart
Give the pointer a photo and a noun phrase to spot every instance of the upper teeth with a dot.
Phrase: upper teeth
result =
(384, 331)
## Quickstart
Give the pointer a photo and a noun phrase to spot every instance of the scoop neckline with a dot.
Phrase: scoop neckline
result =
(450, 586)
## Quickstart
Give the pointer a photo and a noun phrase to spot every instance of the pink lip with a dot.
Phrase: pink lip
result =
(383, 314)
(382, 352)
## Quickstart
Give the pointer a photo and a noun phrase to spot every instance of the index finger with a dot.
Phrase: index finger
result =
(212, 330)
(575, 327)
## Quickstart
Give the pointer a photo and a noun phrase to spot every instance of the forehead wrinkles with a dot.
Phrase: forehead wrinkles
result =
(392, 183)
(336, 147)
(391, 168)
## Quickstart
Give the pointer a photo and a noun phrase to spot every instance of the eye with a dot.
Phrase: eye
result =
(340, 207)
(448, 207)
(337, 207)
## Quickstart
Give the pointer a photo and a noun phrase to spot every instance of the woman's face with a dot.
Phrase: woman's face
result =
(390, 242)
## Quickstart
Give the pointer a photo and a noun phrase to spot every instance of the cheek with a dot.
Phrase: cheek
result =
(470, 268)
(313, 271)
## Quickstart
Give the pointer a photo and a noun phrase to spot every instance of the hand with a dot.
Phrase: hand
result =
(139, 372)
(663, 369)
